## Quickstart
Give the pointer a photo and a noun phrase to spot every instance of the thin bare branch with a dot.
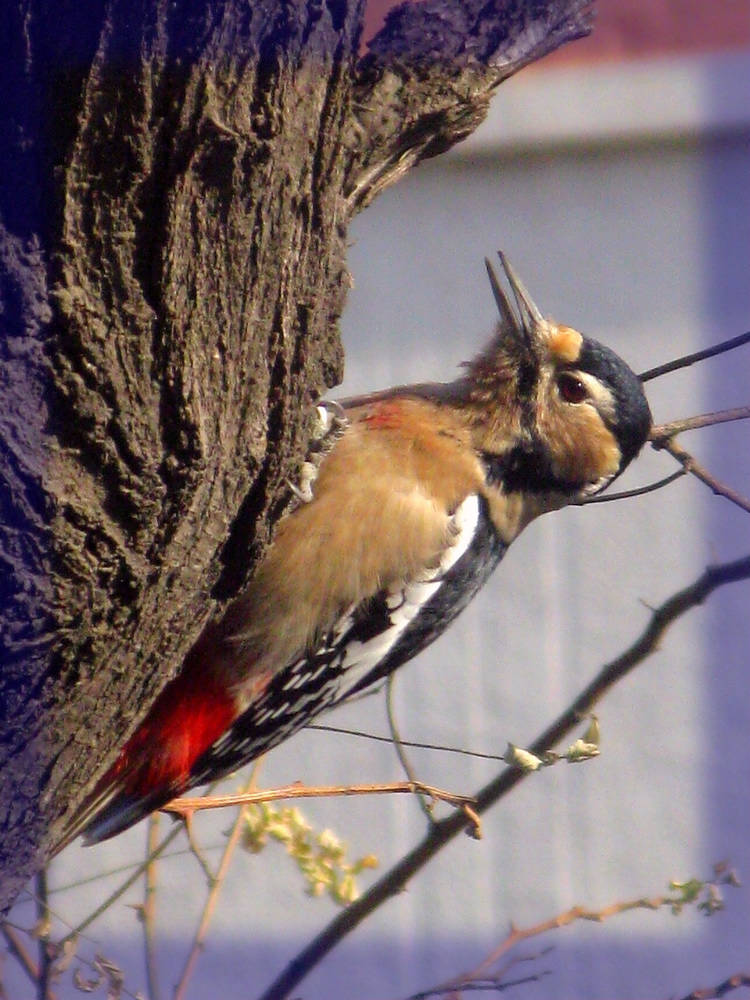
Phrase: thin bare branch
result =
(17, 948)
(693, 892)
(735, 982)
(407, 743)
(123, 888)
(130, 880)
(194, 847)
(216, 883)
(696, 469)
(660, 435)
(690, 359)
(42, 931)
(210, 906)
(149, 908)
(106, 873)
(426, 805)
(393, 881)
(299, 791)
(498, 983)
(662, 432)
(638, 492)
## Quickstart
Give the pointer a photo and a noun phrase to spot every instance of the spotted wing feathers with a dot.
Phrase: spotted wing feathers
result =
(366, 644)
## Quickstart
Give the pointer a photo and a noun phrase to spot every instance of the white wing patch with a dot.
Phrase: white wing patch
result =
(405, 602)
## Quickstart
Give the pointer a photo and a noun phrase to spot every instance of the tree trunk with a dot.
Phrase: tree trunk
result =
(176, 181)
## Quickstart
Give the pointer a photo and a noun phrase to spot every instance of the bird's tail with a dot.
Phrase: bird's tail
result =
(155, 764)
(109, 810)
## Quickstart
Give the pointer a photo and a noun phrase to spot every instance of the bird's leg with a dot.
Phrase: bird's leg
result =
(330, 424)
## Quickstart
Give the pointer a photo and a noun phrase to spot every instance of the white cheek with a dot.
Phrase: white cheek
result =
(602, 399)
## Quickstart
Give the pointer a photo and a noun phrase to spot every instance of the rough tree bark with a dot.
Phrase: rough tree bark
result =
(177, 177)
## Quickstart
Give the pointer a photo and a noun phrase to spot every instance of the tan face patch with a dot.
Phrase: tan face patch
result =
(564, 344)
(583, 449)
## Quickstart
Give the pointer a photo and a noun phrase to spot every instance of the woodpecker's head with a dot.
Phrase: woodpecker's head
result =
(553, 414)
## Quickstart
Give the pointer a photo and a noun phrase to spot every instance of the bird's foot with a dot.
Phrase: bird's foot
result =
(330, 424)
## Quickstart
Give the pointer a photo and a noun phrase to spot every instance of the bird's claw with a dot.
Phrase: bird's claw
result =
(330, 424)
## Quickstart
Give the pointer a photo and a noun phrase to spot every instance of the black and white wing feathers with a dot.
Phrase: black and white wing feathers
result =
(366, 644)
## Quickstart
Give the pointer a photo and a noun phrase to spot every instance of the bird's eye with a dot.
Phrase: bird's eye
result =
(572, 388)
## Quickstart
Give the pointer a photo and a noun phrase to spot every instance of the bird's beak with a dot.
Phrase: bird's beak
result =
(527, 319)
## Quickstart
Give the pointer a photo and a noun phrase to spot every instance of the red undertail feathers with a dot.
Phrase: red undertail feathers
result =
(154, 765)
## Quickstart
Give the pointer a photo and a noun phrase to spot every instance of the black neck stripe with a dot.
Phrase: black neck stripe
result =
(526, 469)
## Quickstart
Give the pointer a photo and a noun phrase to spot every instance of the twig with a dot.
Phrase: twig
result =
(122, 889)
(425, 805)
(19, 952)
(149, 907)
(407, 743)
(660, 437)
(445, 830)
(300, 791)
(663, 438)
(131, 880)
(696, 469)
(637, 492)
(119, 870)
(661, 432)
(213, 896)
(690, 359)
(734, 982)
(208, 909)
(195, 848)
(64, 952)
(42, 932)
(675, 901)
(493, 984)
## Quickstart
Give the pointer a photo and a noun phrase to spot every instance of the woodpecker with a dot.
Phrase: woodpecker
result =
(412, 509)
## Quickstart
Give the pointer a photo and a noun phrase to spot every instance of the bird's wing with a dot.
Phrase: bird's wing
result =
(366, 643)
(382, 514)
